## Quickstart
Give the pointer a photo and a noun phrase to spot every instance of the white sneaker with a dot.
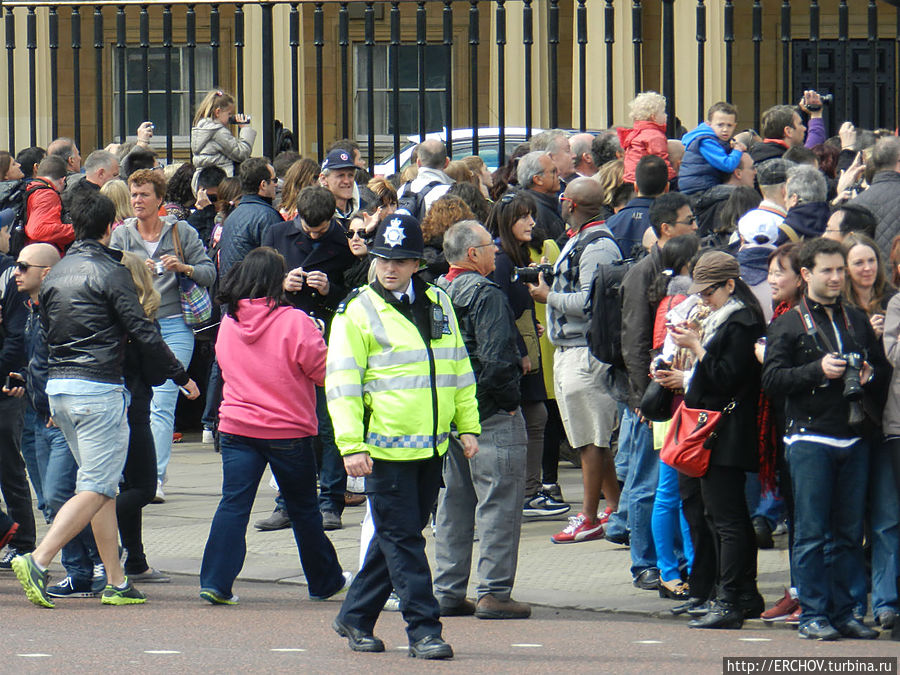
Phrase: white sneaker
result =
(160, 497)
(208, 437)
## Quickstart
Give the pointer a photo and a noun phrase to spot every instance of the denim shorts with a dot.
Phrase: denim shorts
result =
(96, 429)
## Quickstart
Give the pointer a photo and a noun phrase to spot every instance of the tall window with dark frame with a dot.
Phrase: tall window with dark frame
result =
(181, 105)
(383, 84)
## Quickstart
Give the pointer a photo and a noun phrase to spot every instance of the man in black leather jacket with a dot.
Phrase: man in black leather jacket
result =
(89, 307)
(493, 480)
(825, 446)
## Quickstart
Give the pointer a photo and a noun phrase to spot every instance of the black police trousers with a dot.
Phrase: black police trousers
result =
(402, 496)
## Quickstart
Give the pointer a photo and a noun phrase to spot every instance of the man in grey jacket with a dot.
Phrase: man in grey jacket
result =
(487, 489)
(588, 411)
(882, 197)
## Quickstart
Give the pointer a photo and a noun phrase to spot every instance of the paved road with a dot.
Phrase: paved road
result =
(276, 629)
(628, 630)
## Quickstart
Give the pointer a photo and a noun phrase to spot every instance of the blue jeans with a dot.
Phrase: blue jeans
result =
(180, 338)
(80, 554)
(622, 454)
(829, 498)
(210, 418)
(768, 505)
(294, 466)
(884, 514)
(332, 475)
(639, 491)
(668, 521)
(31, 447)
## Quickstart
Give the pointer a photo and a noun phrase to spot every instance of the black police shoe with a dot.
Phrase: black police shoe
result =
(359, 641)
(430, 647)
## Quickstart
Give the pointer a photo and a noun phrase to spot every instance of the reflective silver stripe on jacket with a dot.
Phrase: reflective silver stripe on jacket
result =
(417, 441)
(417, 382)
(375, 323)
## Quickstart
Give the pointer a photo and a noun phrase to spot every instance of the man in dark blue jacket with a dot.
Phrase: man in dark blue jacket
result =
(13, 480)
(316, 253)
(245, 226)
(651, 179)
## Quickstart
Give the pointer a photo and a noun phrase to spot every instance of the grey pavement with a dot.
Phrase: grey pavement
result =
(590, 575)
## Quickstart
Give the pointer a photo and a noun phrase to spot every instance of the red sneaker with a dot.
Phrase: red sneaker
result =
(176, 437)
(11, 530)
(579, 529)
(604, 517)
(782, 609)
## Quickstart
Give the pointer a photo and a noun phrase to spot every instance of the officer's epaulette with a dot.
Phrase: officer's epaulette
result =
(352, 294)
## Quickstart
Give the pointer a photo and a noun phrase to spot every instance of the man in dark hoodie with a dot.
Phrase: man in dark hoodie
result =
(629, 224)
(488, 489)
(708, 204)
(807, 210)
(316, 253)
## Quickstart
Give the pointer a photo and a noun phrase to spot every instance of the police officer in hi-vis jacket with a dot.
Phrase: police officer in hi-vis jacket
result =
(396, 353)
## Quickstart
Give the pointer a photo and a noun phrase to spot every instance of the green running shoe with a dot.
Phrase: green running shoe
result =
(33, 580)
(123, 596)
(215, 598)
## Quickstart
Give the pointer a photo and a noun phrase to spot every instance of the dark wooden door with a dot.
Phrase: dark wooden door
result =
(846, 70)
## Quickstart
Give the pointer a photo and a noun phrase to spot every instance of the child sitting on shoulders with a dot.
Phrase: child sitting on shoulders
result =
(710, 154)
(648, 136)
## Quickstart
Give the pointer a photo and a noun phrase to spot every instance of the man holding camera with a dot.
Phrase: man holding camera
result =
(825, 361)
(588, 411)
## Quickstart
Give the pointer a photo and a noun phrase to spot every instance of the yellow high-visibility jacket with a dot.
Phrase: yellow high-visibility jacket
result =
(378, 361)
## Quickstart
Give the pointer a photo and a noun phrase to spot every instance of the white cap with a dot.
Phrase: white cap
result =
(759, 227)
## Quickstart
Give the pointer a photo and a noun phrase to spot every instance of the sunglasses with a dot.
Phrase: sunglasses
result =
(361, 233)
(24, 266)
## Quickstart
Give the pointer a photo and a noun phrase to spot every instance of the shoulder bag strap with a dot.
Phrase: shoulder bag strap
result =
(176, 240)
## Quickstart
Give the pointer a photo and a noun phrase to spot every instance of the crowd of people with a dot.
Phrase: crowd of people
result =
(446, 355)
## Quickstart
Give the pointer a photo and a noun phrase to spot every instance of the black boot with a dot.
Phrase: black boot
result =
(720, 615)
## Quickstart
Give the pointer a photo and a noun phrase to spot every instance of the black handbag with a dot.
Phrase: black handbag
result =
(656, 403)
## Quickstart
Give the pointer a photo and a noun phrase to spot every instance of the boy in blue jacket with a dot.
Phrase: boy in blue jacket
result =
(710, 154)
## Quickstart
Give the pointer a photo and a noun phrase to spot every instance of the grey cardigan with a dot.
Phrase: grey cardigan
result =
(127, 238)
(890, 422)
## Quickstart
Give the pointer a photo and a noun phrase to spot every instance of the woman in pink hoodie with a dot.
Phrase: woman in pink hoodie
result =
(271, 356)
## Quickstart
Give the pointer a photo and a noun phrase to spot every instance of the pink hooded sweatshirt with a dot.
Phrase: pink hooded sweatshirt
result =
(271, 362)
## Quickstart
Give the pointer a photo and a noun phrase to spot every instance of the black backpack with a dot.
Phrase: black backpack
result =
(605, 327)
(14, 195)
(414, 202)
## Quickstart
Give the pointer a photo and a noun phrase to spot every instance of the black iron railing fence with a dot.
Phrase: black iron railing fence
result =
(594, 20)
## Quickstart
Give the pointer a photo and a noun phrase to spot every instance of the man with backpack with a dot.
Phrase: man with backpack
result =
(44, 205)
(670, 216)
(588, 411)
(417, 196)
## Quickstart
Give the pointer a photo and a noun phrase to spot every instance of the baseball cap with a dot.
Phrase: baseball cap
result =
(7, 217)
(759, 227)
(338, 159)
